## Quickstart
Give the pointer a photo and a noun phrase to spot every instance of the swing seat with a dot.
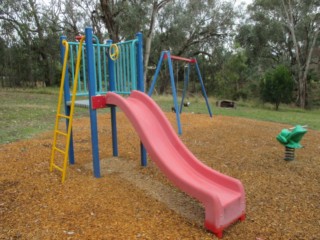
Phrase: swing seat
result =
(186, 104)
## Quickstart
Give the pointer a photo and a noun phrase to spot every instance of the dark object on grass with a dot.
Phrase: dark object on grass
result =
(186, 104)
(226, 104)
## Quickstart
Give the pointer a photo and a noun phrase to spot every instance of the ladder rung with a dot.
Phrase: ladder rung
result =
(57, 167)
(59, 150)
(61, 133)
(63, 116)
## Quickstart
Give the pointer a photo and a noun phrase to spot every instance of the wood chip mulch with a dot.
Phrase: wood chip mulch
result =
(132, 202)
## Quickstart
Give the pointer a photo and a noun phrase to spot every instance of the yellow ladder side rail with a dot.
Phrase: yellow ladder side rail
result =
(56, 126)
(73, 99)
(59, 115)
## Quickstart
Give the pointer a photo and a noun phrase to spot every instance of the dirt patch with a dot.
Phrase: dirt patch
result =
(131, 202)
(174, 199)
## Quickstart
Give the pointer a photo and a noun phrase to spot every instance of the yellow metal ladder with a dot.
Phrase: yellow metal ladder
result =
(66, 134)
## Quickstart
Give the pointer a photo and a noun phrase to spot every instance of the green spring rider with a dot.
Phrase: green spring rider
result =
(291, 140)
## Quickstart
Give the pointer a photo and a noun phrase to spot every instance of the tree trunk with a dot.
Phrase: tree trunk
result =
(148, 42)
(40, 49)
(304, 75)
(302, 92)
(109, 20)
(155, 10)
(303, 68)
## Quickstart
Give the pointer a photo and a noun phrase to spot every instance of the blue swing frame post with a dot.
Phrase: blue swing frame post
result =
(166, 54)
(169, 57)
(203, 88)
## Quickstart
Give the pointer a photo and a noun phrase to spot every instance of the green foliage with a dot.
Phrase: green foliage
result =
(190, 27)
(232, 79)
(282, 32)
(30, 44)
(277, 86)
(30, 30)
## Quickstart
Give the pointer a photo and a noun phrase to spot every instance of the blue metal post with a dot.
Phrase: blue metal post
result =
(140, 87)
(98, 71)
(174, 92)
(203, 89)
(66, 93)
(140, 82)
(113, 109)
(153, 84)
(92, 92)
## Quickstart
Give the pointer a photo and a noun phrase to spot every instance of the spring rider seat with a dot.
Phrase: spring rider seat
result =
(291, 140)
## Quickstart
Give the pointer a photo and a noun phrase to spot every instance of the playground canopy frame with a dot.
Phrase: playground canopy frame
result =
(100, 74)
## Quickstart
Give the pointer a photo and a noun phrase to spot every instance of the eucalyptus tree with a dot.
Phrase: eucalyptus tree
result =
(126, 17)
(21, 22)
(202, 29)
(232, 77)
(76, 15)
(3, 62)
(189, 27)
(194, 27)
(25, 31)
(303, 21)
(285, 31)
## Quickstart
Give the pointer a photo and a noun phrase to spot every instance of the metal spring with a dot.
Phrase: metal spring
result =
(289, 154)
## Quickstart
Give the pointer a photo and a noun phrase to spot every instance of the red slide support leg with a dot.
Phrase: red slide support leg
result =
(219, 234)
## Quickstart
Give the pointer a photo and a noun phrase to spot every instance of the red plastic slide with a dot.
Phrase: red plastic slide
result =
(223, 197)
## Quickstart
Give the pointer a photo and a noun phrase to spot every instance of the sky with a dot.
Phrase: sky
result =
(245, 1)
(238, 2)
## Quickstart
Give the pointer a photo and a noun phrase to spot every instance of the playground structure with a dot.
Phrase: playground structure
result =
(166, 55)
(222, 196)
(94, 74)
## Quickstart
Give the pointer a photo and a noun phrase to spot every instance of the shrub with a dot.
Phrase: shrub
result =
(277, 86)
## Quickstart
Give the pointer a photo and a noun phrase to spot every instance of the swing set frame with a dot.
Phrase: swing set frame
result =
(166, 55)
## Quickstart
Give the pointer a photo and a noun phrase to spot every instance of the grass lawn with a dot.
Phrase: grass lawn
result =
(266, 112)
(24, 113)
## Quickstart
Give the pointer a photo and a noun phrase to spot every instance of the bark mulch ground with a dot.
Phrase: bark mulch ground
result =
(132, 202)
